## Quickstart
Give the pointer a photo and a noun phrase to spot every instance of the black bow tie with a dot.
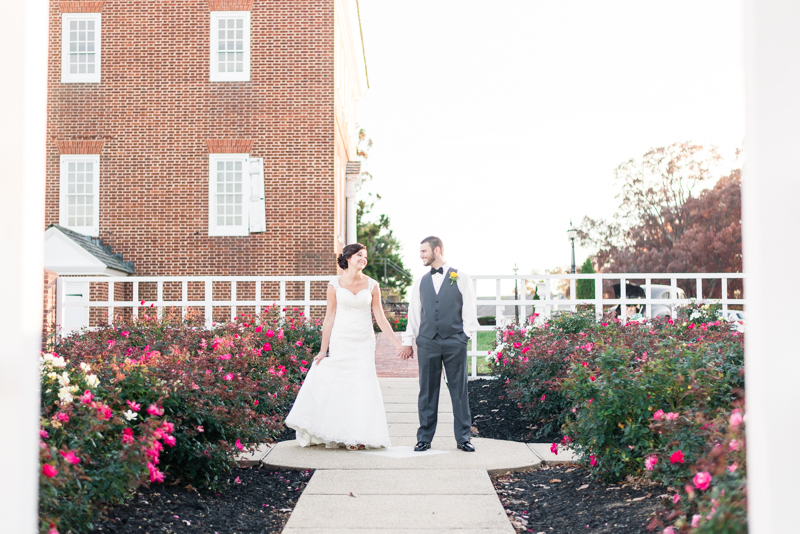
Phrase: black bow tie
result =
(440, 270)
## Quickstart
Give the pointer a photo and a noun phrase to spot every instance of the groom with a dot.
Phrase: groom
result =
(442, 317)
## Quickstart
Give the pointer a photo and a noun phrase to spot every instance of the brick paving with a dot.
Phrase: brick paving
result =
(388, 363)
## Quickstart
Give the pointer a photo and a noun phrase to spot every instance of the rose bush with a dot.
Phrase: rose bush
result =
(632, 399)
(188, 397)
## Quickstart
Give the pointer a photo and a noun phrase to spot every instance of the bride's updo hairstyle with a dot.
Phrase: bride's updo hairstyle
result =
(347, 253)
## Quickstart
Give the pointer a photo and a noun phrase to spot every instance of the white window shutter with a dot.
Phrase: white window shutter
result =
(258, 210)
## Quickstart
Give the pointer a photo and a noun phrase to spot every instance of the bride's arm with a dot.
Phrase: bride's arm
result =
(327, 324)
(380, 317)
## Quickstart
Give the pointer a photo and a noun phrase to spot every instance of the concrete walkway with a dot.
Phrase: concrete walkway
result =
(397, 490)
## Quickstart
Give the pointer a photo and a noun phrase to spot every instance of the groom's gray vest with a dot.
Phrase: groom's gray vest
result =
(441, 314)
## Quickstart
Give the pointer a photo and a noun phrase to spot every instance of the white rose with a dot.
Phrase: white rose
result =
(130, 416)
(58, 361)
(92, 381)
(85, 367)
(65, 395)
(64, 379)
(52, 375)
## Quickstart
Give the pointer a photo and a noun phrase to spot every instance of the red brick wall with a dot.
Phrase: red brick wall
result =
(49, 308)
(155, 110)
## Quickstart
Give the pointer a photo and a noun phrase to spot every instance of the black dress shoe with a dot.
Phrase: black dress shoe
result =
(466, 446)
(422, 446)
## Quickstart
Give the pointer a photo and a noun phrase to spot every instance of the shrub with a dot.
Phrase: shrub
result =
(94, 446)
(221, 390)
(585, 288)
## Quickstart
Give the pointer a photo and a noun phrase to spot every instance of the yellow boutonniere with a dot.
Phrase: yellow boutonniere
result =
(453, 277)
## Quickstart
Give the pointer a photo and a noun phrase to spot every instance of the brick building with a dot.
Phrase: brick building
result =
(202, 137)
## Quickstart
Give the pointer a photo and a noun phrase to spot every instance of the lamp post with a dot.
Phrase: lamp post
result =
(572, 234)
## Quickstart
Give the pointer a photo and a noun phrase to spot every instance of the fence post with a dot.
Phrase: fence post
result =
(159, 298)
(233, 300)
(111, 302)
(184, 297)
(282, 298)
(673, 293)
(572, 293)
(135, 296)
(598, 296)
(208, 308)
(724, 295)
(699, 289)
(648, 295)
(623, 295)
(547, 305)
(258, 297)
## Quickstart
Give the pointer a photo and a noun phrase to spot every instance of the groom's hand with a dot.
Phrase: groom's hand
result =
(407, 352)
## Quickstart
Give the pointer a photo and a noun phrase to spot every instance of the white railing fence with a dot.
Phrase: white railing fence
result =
(75, 301)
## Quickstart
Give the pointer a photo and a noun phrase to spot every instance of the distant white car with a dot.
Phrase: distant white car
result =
(657, 292)
(736, 318)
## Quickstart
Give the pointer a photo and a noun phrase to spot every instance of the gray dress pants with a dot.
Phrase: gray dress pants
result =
(432, 354)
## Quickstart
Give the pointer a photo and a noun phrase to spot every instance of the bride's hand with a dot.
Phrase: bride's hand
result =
(319, 357)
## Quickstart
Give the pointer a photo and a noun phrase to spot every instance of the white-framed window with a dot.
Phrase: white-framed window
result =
(230, 46)
(80, 47)
(79, 200)
(236, 195)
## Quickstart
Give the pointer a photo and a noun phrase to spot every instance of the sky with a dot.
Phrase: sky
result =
(496, 123)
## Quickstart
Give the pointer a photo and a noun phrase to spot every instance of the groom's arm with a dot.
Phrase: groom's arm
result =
(469, 309)
(414, 310)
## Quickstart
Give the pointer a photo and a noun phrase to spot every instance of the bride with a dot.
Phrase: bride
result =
(340, 402)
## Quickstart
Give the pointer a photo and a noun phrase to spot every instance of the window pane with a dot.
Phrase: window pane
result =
(90, 25)
(88, 221)
(73, 25)
(70, 221)
(240, 23)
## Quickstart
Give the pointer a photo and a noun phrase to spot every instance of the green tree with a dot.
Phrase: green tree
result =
(383, 251)
(585, 288)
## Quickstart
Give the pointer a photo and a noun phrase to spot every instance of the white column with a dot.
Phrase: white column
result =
(23, 104)
(771, 194)
(353, 181)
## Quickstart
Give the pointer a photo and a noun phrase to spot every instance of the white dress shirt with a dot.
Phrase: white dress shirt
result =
(469, 311)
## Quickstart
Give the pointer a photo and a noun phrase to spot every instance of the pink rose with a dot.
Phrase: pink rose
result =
(270, 333)
(266, 347)
(127, 436)
(43, 433)
(299, 343)
(677, 457)
(554, 448)
(658, 415)
(650, 462)
(702, 480)
(87, 397)
(592, 460)
(736, 418)
(732, 467)
(70, 457)
(543, 398)
(696, 520)
(676, 498)
(239, 445)
(155, 410)
(671, 416)
(229, 376)
(733, 445)
(49, 471)
(258, 329)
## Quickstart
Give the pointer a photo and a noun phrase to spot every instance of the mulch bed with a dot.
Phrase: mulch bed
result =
(261, 503)
(496, 417)
(549, 499)
(565, 499)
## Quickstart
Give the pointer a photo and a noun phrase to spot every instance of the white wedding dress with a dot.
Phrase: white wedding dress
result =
(340, 401)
